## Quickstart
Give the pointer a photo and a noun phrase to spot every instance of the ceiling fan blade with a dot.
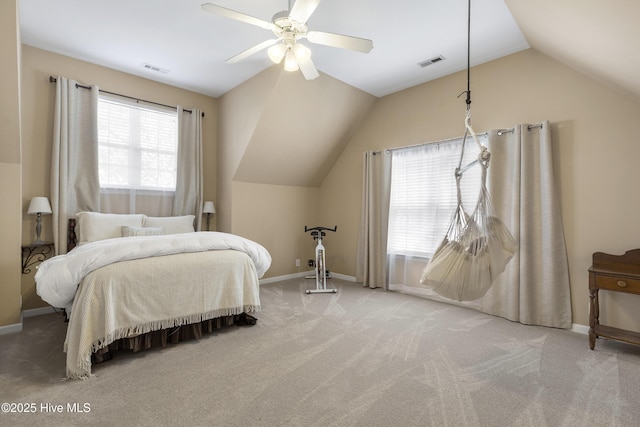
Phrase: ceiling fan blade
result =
(308, 69)
(223, 11)
(302, 10)
(257, 48)
(340, 41)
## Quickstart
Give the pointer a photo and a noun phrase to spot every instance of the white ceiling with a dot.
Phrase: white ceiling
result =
(193, 45)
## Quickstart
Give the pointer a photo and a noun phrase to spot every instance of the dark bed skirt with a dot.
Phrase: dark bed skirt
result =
(174, 335)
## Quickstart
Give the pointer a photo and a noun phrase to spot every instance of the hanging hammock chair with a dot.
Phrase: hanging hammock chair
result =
(477, 247)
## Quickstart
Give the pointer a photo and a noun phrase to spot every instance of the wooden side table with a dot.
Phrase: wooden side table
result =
(612, 273)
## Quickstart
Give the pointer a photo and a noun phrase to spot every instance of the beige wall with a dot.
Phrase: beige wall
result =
(10, 164)
(240, 111)
(594, 130)
(275, 216)
(592, 127)
(275, 128)
(37, 127)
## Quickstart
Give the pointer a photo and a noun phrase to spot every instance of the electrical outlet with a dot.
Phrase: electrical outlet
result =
(298, 262)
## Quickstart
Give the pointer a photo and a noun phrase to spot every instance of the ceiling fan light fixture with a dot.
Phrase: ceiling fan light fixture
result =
(276, 53)
(289, 27)
(302, 52)
(290, 61)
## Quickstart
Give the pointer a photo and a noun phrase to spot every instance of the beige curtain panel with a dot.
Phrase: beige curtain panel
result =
(534, 287)
(188, 199)
(75, 183)
(371, 264)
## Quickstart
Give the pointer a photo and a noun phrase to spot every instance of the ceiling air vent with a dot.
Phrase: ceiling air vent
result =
(431, 61)
(155, 68)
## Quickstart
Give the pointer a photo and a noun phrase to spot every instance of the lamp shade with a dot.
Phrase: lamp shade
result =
(276, 52)
(302, 53)
(39, 205)
(208, 208)
(290, 61)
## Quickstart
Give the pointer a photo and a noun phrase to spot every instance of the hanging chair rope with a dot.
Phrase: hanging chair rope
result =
(467, 121)
(477, 246)
(484, 152)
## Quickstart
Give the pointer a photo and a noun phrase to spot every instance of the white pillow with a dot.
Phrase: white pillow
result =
(94, 226)
(171, 224)
(128, 231)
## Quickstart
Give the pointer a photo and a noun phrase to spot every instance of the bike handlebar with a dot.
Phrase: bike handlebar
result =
(306, 229)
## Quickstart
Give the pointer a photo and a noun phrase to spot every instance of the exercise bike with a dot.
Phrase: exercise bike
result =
(321, 272)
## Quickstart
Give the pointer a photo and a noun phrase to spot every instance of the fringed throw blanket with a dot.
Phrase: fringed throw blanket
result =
(167, 291)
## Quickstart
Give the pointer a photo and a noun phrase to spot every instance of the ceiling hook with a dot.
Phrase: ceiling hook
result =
(468, 101)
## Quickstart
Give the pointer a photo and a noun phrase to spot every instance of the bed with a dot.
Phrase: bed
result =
(132, 282)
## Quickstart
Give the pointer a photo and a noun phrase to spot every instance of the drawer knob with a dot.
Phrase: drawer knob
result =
(622, 284)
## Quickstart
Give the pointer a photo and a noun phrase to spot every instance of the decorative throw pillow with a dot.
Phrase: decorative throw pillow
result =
(128, 231)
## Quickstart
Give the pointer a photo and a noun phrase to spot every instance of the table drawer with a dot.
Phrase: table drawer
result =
(622, 284)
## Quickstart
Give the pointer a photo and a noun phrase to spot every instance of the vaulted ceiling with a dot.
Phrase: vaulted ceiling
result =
(596, 38)
(296, 139)
(186, 47)
(189, 46)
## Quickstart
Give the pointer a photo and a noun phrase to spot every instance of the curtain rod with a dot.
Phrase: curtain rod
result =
(441, 141)
(53, 80)
(500, 132)
(529, 127)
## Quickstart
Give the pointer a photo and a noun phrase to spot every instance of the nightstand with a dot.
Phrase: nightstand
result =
(35, 253)
(612, 273)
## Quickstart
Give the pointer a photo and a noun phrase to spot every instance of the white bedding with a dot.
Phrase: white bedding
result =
(58, 278)
(134, 297)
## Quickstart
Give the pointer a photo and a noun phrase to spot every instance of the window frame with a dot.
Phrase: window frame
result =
(134, 147)
(419, 247)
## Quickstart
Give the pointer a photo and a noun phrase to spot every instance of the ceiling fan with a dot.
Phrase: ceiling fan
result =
(289, 27)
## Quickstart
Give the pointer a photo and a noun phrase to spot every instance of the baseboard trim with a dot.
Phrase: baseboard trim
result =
(32, 312)
(280, 278)
(581, 329)
(12, 329)
(303, 274)
(343, 277)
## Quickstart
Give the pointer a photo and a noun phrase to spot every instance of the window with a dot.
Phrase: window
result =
(423, 194)
(138, 146)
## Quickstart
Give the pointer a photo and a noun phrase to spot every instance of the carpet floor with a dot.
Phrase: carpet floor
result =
(359, 357)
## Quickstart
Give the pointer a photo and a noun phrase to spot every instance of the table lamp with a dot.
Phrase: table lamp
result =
(208, 209)
(39, 206)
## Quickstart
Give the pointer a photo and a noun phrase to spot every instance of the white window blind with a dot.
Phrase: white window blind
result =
(138, 145)
(423, 194)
